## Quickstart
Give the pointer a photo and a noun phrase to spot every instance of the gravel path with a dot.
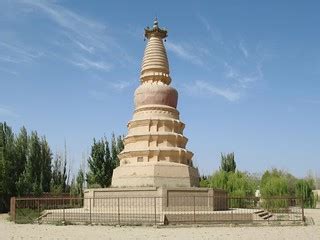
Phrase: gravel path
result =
(9, 230)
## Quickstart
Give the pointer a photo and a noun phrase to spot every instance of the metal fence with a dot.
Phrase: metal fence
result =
(156, 210)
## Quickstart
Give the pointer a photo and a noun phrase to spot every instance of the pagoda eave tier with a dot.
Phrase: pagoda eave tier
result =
(178, 155)
(169, 137)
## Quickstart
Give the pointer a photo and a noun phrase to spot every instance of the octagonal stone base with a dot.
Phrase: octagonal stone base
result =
(159, 174)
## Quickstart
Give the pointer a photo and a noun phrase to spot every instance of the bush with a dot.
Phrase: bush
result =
(276, 183)
(304, 191)
(204, 182)
(26, 215)
(237, 184)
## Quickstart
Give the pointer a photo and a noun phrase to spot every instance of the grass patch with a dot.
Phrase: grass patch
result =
(26, 215)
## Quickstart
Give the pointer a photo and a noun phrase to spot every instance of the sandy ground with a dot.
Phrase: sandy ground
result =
(10, 230)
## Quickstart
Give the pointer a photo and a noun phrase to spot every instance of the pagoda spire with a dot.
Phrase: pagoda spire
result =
(155, 65)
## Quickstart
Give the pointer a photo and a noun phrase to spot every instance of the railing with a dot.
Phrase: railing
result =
(156, 210)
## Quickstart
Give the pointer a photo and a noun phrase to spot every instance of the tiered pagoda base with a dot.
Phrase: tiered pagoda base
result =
(148, 174)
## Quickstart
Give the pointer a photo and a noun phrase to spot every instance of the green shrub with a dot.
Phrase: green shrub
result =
(304, 191)
(26, 215)
(237, 184)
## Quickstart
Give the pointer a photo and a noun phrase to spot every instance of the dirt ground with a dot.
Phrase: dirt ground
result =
(10, 231)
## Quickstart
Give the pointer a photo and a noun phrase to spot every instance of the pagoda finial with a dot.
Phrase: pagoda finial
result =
(155, 22)
(155, 31)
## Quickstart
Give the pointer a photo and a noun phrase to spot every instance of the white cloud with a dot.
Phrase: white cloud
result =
(205, 88)
(14, 53)
(243, 80)
(64, 17)
(121, 85)
(236, 67)
(213, 32)
(7, 112)
(6, 70)
(184, 52)
(9, 59)
(97, 95)
(243, 50)
(86, 63)
(77, 35)
(84, 47)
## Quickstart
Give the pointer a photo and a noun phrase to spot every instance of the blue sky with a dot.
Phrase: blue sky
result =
(247, 73)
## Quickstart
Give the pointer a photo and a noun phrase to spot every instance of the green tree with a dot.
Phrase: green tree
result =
(204, 181)
(228, 163)
(34, 164)
(80, 182)
(46, 159)
(59, 174)
(119, 148)
(304, 189)
(21, 150)
(237, 184)
(103, 160)
(8, 156)
(277, 183)
(100, 164)
(76, 186)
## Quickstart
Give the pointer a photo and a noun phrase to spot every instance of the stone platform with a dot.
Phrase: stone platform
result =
(160, 199)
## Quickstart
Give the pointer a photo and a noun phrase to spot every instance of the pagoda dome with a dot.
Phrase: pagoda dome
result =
(155, 94)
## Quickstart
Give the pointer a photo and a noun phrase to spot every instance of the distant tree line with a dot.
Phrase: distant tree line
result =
(28, 166)
(273, 183)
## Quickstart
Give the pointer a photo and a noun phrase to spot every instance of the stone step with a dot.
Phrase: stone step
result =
(264, 213)
(267, 216)
(260, 211)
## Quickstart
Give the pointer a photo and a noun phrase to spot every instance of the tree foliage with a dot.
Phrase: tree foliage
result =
(228, 164)
(25, 163)
(103, 160)
(77, 184)
(237, 184)
(59, 174)
(277, 183)
(303, 189)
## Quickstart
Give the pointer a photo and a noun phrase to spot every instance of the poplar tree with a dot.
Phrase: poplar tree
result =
(21, 150)
(98, 163)
(59, 174)
(46, 159)
(228, 163)
(80, 182)
(34, 164)
(114, 152)
(103, 160)
(7, 165)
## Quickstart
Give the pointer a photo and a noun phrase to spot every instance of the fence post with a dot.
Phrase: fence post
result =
(38, 202)
(194, 209)
(302, 210)
(90, 210)
(155, 210)
(64, 211)
(213, 202)
(119, 211)
(13, 209)
(230, 204)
